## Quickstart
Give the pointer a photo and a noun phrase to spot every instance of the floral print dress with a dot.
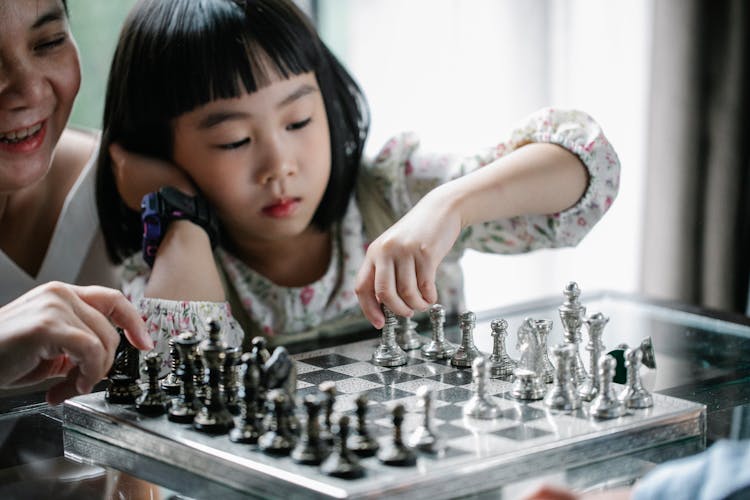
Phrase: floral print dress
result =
(392, 184)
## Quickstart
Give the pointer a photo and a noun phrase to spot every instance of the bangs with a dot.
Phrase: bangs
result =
(220, 49)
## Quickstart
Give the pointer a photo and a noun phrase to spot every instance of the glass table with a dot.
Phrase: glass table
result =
(699, 356)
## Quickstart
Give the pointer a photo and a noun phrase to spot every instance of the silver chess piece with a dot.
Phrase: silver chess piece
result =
(480, 405)
(606, 404)
(424, 437)
(467, 351)
(571, 315)
(635, 395)
(501, 364)
(528, 384)
(595, 324)
(542, 328)
(388, 352)
(406, 334)
(438, 348)
(562, 396)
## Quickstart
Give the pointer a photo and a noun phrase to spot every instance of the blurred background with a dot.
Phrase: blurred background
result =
(666, 79)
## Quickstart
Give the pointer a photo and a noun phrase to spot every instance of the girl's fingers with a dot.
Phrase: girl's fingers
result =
(365, 290)
(426, 281)
(406, 284)
(385, 288)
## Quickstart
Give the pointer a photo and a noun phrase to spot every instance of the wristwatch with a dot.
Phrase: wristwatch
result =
(161, 207)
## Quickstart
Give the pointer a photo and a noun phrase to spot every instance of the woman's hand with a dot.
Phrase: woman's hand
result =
(60, 330)
(138, 175)
(400, 265)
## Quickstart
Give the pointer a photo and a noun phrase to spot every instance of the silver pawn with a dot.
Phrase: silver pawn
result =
(606, 404)
(542, 327)
(406, 334)
(571, 315)
(635, 395)
(467, 351)
(388, 352)
(480, 405)
(424, 437)
(595, 324)
(438, 348)
(562, 396)
(501, 364)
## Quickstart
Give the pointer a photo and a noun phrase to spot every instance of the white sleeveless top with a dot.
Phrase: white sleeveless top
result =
(76, 252)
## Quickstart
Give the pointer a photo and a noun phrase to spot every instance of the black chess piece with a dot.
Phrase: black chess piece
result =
(279, 372)
(171, 383)
(154, 400)
(362, 443)
(328, 390)
(397, 453)
(229, 379)
(249, 428)
(342, 462)
(213, 417)
(122, 387)
(278, 439)
(187, 404)
(311, 450)
(259, 346)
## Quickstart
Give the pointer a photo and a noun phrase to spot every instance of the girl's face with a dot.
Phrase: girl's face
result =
(39, 79)
(263, 160)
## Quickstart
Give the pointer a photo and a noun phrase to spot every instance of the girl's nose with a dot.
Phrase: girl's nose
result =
(277, 164)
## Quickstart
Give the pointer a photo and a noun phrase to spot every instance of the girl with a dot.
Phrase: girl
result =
(265, 125)
(48, 224)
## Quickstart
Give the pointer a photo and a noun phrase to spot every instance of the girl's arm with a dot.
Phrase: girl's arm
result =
(400, 265)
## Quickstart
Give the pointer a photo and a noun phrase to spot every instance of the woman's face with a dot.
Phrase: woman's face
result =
(39, 79)
(263, 160)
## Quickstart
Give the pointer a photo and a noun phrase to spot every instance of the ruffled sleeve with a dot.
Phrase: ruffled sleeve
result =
(401, 175)
(167, 318)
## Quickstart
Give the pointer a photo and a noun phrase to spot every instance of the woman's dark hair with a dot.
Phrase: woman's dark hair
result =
(176, 55)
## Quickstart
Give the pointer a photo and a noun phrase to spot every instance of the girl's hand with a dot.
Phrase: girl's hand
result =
(400, 265)
(138, 175)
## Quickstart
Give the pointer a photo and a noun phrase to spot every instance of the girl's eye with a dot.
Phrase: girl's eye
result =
(235, 145)
(51, 44)
(299, 125)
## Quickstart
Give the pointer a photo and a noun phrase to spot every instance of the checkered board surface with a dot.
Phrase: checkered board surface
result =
(481, 454)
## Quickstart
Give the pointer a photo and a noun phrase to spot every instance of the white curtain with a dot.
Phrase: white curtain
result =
(461, 72)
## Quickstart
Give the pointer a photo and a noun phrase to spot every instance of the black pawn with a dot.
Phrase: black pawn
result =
(122, 387)
(328, 389)
(171, 383)
(397, 453)
(213, 417)
(229, 379)
(154, 400)
(342, 462)
(278, 440)
(259, 346)
(362, 443)
(249, 429)
(311, 450)
(187, 404)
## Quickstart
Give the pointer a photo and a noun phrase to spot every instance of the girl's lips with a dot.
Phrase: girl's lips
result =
(28, 144)
(282, 208)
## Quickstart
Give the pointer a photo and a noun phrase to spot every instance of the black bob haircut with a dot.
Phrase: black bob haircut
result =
(176, 55)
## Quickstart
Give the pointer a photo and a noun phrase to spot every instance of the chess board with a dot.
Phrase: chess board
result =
(481, 455)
